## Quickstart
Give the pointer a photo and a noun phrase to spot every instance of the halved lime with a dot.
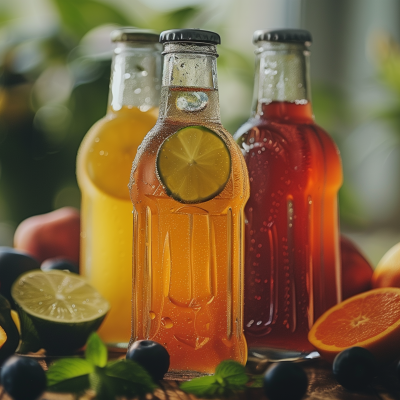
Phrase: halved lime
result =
(58, 310)
(194, 164)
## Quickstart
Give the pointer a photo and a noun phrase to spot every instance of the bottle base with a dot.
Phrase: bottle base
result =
(176, 375)
(260, 357)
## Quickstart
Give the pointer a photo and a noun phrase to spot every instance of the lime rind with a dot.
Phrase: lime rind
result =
(193, 164)
(59, 297)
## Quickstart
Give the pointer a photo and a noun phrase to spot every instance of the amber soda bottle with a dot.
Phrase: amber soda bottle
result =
(292, 262)
(189, 185)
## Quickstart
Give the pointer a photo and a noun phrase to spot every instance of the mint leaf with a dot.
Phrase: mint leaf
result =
(69, 375)
(96, 351)
(73, 385)
(104, 386)
(229, 376)
(233, 374)
(205, 386)
(132, 378)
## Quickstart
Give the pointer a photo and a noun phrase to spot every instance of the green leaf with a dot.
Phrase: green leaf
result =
(96, 351)
(229, 376)
(233, 373)
(69, 375)
(133, 379)
(205, 386)
(104, 386)
(73, 385)
(80, 16)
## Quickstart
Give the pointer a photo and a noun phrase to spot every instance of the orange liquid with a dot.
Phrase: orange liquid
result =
(292, 270)
(103, 169)
(188, 259)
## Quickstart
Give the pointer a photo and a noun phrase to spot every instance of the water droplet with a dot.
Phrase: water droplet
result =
(166, 322)
(152, 314)
(192, 101)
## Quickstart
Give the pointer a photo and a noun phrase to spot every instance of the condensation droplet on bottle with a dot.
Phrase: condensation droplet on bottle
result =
(192, 101)
(167, 322)
(152, 314)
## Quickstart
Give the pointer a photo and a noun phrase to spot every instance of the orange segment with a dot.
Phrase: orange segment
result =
(370, 320)
(3, 337)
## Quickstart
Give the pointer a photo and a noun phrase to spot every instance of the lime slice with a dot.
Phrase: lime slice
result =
(58, 310)
(194, 164)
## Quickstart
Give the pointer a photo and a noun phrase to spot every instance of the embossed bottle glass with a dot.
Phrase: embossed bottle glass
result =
(189, 185)
(292, 264)
(103, 167)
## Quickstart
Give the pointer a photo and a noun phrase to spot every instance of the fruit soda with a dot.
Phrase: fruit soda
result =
(103, 167)
(188, 254)
(292, 259)
(106, 229)
(291, 229)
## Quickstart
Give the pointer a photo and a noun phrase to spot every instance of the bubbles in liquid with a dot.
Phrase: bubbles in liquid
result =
(192, 101)
(167, 322)
(152, 314)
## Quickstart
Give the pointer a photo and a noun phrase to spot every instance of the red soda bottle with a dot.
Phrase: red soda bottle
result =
(292, 263)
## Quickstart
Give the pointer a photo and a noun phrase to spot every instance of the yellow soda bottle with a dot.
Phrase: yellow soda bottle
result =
(103, 167)
(189, 186)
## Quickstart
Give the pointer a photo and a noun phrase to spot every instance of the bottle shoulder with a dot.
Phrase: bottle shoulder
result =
(162, 130)
(145, 166)
(297, 147)
(258, 129)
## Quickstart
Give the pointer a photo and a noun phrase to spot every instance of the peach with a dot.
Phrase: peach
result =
(55, 234)
(356, 270)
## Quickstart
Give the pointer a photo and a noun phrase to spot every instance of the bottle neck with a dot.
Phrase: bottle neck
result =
(135, 77)
(189, 84)
(282, 84)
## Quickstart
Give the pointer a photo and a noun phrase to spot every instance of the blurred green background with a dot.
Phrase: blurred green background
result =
(54, 74)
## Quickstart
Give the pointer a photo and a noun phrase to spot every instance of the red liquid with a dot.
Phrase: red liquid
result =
(292, 269)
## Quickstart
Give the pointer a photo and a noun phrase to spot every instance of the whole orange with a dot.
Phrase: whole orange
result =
(387, 272)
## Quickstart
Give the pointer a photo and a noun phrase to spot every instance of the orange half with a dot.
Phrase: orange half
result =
(370, 320)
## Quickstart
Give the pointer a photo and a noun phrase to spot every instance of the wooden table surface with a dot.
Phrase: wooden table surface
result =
(322, 385)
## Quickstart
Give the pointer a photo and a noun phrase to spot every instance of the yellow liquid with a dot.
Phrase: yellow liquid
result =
(103, 169)
(188, 260)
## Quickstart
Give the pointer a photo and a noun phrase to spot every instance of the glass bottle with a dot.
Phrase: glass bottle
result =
(103, 167)
(189, 185)
(292, 263)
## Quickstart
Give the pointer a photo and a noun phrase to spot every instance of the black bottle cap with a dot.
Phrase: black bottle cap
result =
(131, 34)
(190, 35)
(283, 36)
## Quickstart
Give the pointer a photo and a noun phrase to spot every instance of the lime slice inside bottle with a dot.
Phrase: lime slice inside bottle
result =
(194, 164)
(58, 311)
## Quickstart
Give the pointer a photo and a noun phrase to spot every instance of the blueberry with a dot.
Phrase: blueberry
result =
(23, 378)
(285, 381)
(61, 264)
(13, 263)
(354, 368)
(151, 356)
